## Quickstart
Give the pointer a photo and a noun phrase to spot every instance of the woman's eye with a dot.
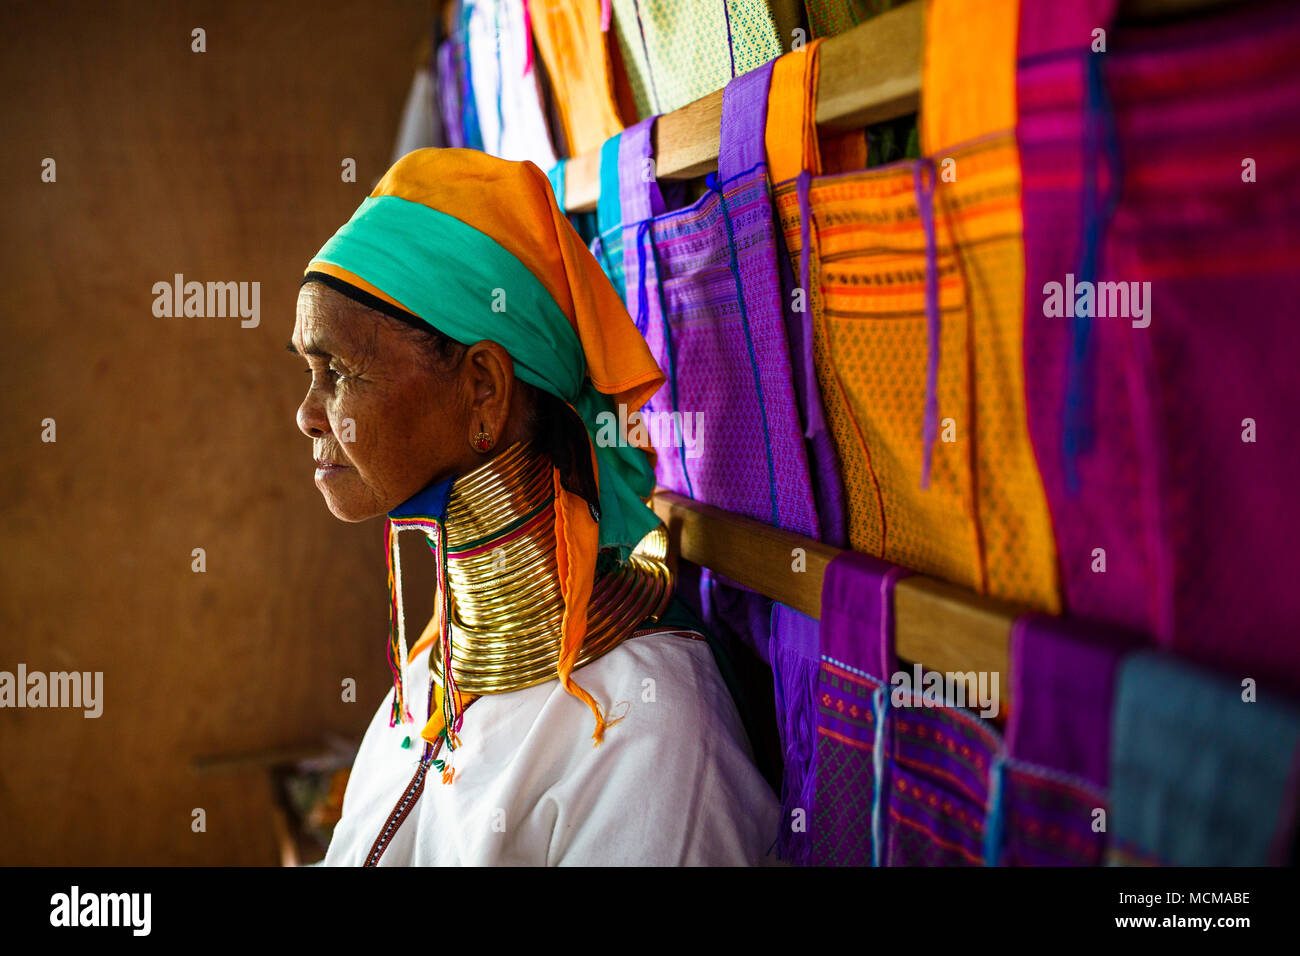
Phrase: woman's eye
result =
(332, 372)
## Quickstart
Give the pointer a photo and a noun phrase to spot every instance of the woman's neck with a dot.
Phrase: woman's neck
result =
(506, 605)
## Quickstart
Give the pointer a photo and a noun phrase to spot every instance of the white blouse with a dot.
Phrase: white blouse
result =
(673, 783)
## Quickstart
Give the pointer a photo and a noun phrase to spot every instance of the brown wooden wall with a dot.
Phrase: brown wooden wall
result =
(176, 433)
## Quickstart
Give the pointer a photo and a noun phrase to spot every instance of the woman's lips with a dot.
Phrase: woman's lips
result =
(326, 468)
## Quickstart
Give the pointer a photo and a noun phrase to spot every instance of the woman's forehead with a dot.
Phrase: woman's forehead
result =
(330, 322)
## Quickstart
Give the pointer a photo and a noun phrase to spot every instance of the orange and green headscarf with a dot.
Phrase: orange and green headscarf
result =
(477, 247)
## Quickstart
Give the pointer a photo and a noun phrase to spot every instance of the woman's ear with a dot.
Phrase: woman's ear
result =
(490, 377)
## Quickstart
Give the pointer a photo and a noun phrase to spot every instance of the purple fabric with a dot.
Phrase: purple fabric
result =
(932, 765)
(856, 639)
(823, 459)
(938, 782)
(1198, 527)
(858, 614)
(449, 93)
(1063, 676)
(709, 304)
(924, 178)
(795, 656)
(1058, 741)
(728, 606)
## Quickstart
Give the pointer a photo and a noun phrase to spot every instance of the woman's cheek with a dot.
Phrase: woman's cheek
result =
(348, 424)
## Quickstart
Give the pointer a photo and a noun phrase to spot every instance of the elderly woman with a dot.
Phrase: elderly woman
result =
(467, 361)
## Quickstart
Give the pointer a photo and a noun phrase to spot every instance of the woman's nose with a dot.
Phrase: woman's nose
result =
(312, 420)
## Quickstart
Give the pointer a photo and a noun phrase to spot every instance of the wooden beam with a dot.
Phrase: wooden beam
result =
(872, 73)
(939, 625)
(750, 552)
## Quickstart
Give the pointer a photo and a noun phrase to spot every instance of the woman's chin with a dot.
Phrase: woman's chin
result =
(344, 506)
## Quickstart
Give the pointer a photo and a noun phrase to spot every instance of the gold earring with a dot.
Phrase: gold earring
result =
(482, 442)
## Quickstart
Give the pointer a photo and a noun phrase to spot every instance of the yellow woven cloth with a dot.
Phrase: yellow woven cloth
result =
(983, 521)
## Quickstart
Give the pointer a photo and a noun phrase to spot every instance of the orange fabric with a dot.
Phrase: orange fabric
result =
(799, 73)
(350, 278)
(513, 203)
(791, 100)
(436, 720)
(580, 69)
(968, 75)
(983, 522)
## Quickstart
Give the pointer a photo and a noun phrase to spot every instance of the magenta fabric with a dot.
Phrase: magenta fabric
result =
(1133, 172)
(1057, 767)
(703, 285)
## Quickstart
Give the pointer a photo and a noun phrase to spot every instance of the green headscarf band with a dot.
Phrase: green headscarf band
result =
(469, 287)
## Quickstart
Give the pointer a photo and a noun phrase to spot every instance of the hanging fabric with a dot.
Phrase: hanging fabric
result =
(677, 52)
(852, 703)
(471, 134)
(1164, 167)
(794, 652)
(584, 223)
(1055, 779)
(1202, 771)
(504, 82)
(828, 18)
(903, 777)
(913, 275)
(449, 92)
(576, 50)
(707, 299)
(607, 244)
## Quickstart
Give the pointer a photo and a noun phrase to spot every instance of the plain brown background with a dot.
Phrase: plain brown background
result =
(177, 433)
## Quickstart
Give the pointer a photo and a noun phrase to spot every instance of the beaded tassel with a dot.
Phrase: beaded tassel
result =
(397, 628)
(451, 713)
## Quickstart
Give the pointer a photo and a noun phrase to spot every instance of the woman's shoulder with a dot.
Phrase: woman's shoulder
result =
(664, 698)
(673, 780)
(672, 666)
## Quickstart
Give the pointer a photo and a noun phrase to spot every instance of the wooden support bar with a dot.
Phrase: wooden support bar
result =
(939, 625)
(872, 73)
(750, 552)
(582, 182)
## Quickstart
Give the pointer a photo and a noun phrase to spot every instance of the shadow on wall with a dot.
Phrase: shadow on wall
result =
(177, 433)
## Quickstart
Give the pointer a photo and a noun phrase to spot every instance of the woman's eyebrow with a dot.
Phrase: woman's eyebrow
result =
(315, 350)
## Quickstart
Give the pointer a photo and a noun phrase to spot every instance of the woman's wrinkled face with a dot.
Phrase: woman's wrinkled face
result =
(383, 425)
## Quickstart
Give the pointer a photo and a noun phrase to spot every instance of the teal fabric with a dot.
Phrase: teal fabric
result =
(556, 174)
(584, 223)
(608, 247)
(1199, 776)
(468, 286)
